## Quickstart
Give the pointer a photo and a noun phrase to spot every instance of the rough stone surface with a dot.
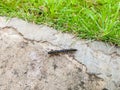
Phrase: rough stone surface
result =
(26, 65)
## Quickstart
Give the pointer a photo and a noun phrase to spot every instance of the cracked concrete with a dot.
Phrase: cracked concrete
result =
(25, 64)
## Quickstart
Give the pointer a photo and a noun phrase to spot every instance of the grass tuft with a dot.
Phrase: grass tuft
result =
(88, 19)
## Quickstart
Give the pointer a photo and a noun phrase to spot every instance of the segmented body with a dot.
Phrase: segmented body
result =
(61, 51)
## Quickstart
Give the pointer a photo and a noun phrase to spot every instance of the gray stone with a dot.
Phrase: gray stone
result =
(26, 65)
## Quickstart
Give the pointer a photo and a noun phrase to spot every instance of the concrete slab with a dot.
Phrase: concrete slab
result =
(26, 65)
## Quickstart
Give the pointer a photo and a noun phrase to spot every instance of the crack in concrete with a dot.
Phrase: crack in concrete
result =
(73, 58)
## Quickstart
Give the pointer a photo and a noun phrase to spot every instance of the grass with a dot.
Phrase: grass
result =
(88, 19)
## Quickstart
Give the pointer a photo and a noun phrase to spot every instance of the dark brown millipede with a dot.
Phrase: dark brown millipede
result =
(61, 51)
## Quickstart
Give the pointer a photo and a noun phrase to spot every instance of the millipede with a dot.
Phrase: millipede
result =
(61, 51)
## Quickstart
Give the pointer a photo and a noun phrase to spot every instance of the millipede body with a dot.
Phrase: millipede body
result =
(61, 51)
